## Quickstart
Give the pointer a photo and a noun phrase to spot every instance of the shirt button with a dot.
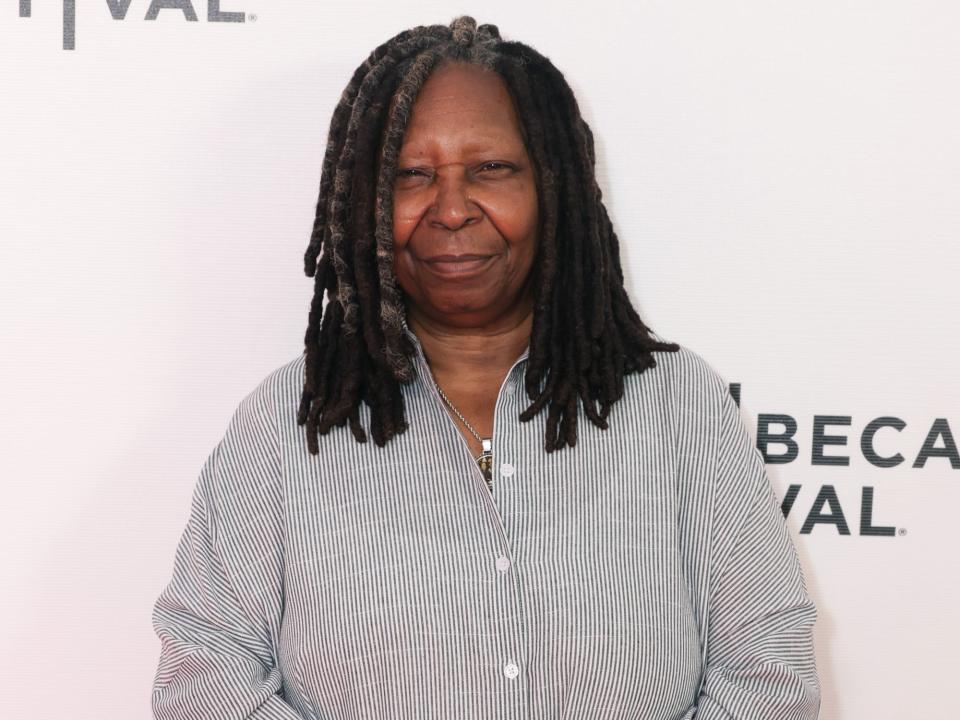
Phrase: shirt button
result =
(506, 469)
(503, 563)
(511, 670)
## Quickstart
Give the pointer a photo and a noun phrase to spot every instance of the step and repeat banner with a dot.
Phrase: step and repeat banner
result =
(784, 180)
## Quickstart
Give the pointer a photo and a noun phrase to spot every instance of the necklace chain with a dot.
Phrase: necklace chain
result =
(459, 414)
(485, 459)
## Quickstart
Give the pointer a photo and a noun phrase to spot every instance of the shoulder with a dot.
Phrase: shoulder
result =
(681, 397)
(241, 480)
(250, 448)
(272, 402)
(694, 385)
(707, 422)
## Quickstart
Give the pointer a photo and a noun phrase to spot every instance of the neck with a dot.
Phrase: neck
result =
(472, 354)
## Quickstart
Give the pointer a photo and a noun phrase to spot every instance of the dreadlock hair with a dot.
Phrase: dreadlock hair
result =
(585, 337)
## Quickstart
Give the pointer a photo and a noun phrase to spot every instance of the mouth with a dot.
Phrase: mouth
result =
(460, 266)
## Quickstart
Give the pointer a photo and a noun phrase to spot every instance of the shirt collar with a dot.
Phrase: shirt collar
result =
(419, 348)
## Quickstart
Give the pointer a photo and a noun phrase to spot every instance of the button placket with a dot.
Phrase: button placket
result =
(513, 642)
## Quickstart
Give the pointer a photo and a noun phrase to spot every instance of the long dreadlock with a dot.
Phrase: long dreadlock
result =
(586, 336)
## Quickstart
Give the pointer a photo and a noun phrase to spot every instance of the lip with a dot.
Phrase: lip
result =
(460, 266)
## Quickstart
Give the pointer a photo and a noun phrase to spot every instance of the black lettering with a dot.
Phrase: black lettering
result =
(866, 517)
(118, 8)
(820, 439)
(826, 496)
(789, 499)
(185, 5)
(69, 24)
(939, 428)
(735, 392)
(765, 438)
(214, 14)
(866, 441)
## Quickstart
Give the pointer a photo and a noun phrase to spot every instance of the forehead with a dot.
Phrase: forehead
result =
(463, 104)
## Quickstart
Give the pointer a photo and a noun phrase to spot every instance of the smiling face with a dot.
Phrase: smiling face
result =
(465, 209)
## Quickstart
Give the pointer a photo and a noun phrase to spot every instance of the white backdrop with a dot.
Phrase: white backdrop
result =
(157, 186)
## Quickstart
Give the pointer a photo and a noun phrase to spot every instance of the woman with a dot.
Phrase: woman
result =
(492, 553)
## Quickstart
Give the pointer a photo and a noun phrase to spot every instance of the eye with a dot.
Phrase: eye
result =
(495, 165)
(409, 172)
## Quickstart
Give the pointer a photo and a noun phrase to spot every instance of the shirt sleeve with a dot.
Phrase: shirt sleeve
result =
(760, 661)
(218, 618)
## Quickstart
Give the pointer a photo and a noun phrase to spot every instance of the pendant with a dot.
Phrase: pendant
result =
(485, 461)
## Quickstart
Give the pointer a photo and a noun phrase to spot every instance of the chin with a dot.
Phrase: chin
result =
(459, 306)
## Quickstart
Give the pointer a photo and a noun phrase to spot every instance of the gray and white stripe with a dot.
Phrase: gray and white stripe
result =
(646, 573)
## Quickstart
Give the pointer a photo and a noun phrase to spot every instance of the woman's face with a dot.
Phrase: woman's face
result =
(465, 208)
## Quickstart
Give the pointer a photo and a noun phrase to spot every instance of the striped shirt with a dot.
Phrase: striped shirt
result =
(647, 572)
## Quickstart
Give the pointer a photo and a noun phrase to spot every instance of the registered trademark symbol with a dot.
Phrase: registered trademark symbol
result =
(902, 531)
(251, 17)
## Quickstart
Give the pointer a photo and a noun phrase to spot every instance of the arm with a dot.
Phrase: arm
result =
(760, 657)
(218, 619)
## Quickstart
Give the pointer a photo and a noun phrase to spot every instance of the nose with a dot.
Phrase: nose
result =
(453, 205)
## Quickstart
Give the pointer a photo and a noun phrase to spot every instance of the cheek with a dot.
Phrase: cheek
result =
(517, 217)
(406, 217)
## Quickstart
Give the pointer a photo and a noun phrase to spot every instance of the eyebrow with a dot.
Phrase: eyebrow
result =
(479, 146)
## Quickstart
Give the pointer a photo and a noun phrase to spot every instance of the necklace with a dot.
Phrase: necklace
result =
(485, 458)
